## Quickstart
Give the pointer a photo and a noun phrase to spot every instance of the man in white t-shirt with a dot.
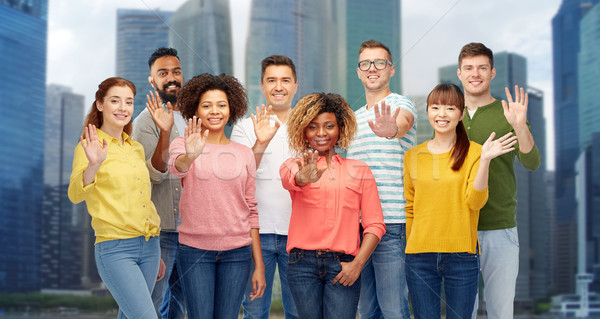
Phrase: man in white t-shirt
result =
(266, 134)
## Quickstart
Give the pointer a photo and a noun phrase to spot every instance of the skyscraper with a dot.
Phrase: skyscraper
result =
(566, 45)
(23, 34)
(139, 33)
(61, 220)
(302, 30)
(201, 33)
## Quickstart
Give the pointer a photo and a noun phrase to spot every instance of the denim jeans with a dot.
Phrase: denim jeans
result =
(459, 273)
(274, 255)
(167, 295)
(310, 276)
(499, 270)
(214, 281)
(128, 268)
(383, 292)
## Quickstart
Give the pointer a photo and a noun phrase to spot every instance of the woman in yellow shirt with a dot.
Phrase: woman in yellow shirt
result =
(445, 184)
(110, 174)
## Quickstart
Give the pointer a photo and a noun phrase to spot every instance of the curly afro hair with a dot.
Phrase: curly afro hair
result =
(189, 96)
(310, 107)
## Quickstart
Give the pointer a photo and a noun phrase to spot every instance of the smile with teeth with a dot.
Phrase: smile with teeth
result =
(121, 116)
(442, 122)
(214, 120)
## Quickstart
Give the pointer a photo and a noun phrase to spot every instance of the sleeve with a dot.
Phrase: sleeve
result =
(240, 134)
(287, 172)
(176, 149)
(250, 190)
(409, 192)
(475, 199)
(146, 132)
(531, 160)
(371, 214)
(77, 192)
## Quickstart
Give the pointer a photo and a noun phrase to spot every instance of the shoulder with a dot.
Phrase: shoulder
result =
(404, 102)
(237, 147)
(474, 149)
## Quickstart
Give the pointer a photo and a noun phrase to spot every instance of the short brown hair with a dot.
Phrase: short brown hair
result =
(371, 44)
(277, 60)
(308, 108)
(189, 95)
(94, 117)
(473, 49)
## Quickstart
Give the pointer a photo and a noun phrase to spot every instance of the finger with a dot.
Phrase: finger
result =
(337, 278)
(508, 95)
(277, 125)
(526, 100)
(205, 136)
(396, 113)
(269, 110)
(299, 163)
(371, 125)
(385, 108)
(104, 144)
(254, 120)
(491, 137)
(149, 103)
(376, 110)
(505, 107)
(86, 133)
(157, 97)
(505, 136)
(170, 107)
(81, 141)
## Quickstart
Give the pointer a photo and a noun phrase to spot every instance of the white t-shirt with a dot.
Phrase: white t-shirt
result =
(274, 202)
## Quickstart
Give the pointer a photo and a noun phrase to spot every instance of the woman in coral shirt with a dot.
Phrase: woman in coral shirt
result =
(331, 198)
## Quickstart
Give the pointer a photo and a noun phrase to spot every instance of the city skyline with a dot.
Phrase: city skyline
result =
(79, 41)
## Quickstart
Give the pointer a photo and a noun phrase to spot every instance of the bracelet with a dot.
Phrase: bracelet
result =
(394, 136)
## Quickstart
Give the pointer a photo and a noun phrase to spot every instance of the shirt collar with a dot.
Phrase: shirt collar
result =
(104, 135)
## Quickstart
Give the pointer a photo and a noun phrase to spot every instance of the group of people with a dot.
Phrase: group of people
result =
(353, 214)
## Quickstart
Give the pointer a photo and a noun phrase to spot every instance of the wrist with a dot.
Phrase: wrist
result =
(395, 134)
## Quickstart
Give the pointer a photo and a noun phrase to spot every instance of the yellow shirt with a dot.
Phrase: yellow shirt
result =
(442, 207)
(119, 197)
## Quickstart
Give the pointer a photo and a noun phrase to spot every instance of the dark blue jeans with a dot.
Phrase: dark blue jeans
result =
(310, 276)
(214, 281)
(167, 295)
(425, 273)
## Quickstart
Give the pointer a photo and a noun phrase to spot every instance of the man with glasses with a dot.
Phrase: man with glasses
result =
(386, 130)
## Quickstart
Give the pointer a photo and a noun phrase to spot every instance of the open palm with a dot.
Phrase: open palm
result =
(194, 139)
(163, 118)
(94, 151)
(515, 110)
(262, 124)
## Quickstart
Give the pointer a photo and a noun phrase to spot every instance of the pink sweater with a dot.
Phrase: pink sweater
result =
(217, 203)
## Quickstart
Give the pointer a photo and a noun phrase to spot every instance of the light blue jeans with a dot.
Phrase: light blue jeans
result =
(499, 270)
(167, 295)
(214, 281)
(274, 255)
(128, 268)
(384, 293)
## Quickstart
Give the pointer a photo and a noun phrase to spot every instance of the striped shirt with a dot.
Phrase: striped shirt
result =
(385, 157)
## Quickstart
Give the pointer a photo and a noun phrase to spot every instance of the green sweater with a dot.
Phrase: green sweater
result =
(500, 210)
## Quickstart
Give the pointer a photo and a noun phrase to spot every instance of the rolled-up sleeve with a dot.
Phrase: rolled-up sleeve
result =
(77, 192)
(287, 172)
(176, 149)
(371, 212)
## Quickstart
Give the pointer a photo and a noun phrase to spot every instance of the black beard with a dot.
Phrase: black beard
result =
(167, 97)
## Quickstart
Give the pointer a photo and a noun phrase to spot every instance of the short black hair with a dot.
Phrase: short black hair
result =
(277, 60)
(161, 52)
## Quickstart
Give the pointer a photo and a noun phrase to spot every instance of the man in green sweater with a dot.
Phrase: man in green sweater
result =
(497, 229)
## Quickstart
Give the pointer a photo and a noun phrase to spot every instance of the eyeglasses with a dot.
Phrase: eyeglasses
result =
(379, 64)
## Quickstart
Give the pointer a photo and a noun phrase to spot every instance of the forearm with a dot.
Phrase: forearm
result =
(256, 249)
(259, 149)
(404, 121)
(524, 138)
(89, 174)
(367, 247)
(481, 178)
(160, 157)
(183, 163)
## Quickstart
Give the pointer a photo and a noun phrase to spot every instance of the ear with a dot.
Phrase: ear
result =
(151, 81)
(99, 105)
(493, 73)
(458, 73)
(393, 71)
(463, 113)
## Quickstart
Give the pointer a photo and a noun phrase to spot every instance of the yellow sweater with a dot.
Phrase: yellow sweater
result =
(119, 197)
(442, 207)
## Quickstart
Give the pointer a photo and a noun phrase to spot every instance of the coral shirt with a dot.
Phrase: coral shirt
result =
(327, 214)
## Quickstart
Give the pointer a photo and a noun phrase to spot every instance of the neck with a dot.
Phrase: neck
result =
(376, 96)
(217, 137)
(282, 114)
(442, 143)
(328, 155)
(474, 101)
(114, 132)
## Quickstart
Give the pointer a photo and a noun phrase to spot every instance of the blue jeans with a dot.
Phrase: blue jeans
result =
(214, 281)
(310, 276)
(167, 295)
(128, 268)
(383, 292)
(459, 273)
(274, 255)
(499, 270)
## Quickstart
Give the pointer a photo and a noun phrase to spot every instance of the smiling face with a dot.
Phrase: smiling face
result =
(213, 110)
(444, 118)
(373, 79)
(322, 133)
(166, 77)
(476, 73)
(279, 86)
(116, 108)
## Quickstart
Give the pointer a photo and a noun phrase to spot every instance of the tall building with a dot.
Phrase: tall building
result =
(378, 20)
(566, 45)
(303, 30)
(532, 194)
(61, 220)
(201, 33)
(23, 34)
(139, 33)
(424, 129)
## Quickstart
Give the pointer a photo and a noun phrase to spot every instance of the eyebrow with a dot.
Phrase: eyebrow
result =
(165, 69)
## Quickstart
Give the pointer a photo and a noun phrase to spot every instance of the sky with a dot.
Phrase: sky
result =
(82, 40)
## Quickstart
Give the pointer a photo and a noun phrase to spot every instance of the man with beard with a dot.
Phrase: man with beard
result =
(166, 78)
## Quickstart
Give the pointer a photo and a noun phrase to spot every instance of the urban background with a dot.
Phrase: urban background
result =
(53, 54)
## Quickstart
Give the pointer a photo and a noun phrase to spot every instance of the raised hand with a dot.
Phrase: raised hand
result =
(163, 118)
(385, 122)
(308, 171)
(502, 145)
(94, 151)
(516, 111)
(262, 126)
(194, 139)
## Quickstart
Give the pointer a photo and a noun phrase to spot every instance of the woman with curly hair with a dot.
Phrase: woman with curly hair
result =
(218, 234)
(331, 198)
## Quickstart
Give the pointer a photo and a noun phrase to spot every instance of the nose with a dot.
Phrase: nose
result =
(278, 86)
(321, 131)
(214, 109)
